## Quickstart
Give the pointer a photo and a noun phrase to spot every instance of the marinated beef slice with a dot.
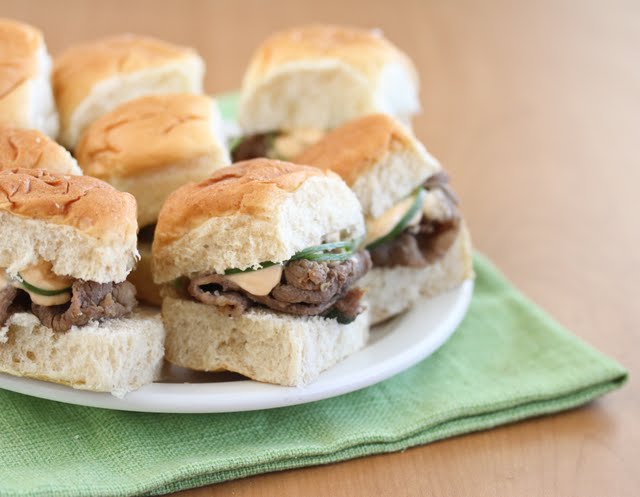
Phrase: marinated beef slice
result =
(307, 288)
(252, 147)
(89, 301)
(421, 245)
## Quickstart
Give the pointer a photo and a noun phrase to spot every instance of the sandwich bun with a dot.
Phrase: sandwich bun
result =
(152, 145)
(320, 76)
(26, 99)
(93, 78)
(31, 149)
(377, 156)
(114, 355)
(83, 226)
(409, 284)
(260, 344)
(254, 211)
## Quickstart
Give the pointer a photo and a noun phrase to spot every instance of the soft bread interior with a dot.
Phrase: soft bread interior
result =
(26, 242)
(296, 220)
(42, 110)
(152, 189)
(317, 94)
(115, 355)
(393, 178)
(391, 291)
(324, 93)
(31, 104)
(184, 76)
(263, 345)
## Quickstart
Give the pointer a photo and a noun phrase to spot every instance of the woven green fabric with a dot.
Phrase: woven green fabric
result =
(507, 361)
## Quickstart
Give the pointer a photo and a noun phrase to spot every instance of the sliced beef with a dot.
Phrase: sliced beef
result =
(213, 290)
(89, 301)
(252, 147)
(422, 245)
(348, 307)
(7, 296)
(417, 248)
(401, 251)
(440, 180)
(307, 288)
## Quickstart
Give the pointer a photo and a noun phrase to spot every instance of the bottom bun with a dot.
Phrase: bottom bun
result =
(391, 291)
(141, 277)
(114, 355)
(263, 345)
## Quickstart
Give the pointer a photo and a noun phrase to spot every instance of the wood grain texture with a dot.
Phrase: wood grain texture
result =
(534, 107)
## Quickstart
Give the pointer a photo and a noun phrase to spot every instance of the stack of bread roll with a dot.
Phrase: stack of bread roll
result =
(115, 173)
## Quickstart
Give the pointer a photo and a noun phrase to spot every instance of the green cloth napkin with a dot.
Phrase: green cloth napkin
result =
(507, 361)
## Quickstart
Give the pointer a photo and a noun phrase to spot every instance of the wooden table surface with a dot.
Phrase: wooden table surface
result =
(534, 108)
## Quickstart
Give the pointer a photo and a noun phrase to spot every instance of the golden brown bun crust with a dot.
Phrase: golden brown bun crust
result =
(356, 147)
(364, 49)
(19, 45)
(30, 149)
(248, 187)
(87, 204)
(147, 134)
(80, 67)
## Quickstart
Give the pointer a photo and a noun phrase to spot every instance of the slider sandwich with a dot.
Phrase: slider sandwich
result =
(261, 266)
(30, 149)
(304, 81)
(26, 100)
(93, 78)
(149, 147)
(67, 315)
(417, 239)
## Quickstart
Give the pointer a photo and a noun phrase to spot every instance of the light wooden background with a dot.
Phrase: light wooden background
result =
(534, 107)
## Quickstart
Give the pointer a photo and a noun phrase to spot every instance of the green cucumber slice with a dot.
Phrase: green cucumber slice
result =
(263, 265)
(315, 253)
(41, 291)
(329, 256)
(402, 224)
(325, 247)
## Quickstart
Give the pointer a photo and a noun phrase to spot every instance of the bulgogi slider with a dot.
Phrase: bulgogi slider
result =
(261, 266)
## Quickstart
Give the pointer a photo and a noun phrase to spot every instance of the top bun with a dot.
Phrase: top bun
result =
(320, 76)
(153, 145)
(30, 149)
(251, 212)
(93, 78)
(26, 100)
(83, 226)
(379, 158)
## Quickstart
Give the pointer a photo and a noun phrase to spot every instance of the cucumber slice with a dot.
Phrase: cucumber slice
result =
(402, 224)
(41, 291)
(325, 247)
(329, 256)
(263, 265)
(315, 253)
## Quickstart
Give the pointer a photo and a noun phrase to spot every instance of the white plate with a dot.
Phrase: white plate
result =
(392, 348)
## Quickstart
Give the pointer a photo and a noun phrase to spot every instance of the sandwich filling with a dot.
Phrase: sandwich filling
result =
(318, 281)
(417, 231)
(60, 302)
(282, 145)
